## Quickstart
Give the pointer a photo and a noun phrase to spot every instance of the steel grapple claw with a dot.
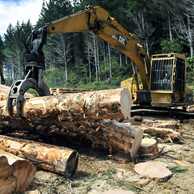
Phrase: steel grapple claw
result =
(17, 91)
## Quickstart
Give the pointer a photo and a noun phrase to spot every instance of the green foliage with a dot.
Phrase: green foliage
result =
(173, 46)
(55, 77)
(88, 188)
(178, 169)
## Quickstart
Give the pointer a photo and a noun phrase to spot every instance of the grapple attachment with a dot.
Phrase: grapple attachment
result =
(17, 91)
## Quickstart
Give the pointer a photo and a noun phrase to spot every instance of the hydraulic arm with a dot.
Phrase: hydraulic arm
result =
(94, 19)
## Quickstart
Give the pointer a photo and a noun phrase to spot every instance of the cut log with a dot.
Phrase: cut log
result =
(16, 173)
(161, 132)
(24, 171)
(149, 148)
(155, 170)
(53, 158)
(109, 134)
(106, 104)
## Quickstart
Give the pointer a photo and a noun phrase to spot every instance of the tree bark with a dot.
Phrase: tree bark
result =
(53, 158)
(16, 173)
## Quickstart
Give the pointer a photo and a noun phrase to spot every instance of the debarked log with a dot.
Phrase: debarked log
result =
(106, 104)
(53, 158)
(15, 173)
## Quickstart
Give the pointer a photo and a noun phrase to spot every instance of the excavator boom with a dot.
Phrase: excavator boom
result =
(97, 20)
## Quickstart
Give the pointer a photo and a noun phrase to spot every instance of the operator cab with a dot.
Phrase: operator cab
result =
(167, 80)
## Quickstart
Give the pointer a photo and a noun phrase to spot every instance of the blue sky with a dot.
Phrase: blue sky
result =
(12, 11)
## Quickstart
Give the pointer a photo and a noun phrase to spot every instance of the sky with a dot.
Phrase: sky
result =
(12, 11)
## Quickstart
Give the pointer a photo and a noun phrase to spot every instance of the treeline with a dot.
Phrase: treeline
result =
(86, 61)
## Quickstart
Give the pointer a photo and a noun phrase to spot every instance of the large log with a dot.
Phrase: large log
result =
(53, 158)
(106, 133)
(106, 104)
(15, 173)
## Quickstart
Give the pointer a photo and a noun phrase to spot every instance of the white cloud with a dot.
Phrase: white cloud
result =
(22, 10)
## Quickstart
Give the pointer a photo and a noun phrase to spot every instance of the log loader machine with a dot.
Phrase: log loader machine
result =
(163, 79)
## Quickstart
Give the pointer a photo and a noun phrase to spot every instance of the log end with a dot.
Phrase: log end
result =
(125, 102)
(72, 163)
(136, 143)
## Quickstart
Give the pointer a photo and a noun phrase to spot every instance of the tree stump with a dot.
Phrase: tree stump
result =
(149, 148)
(155, 170)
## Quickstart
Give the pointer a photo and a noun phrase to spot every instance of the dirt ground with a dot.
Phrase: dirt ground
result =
(98, 172)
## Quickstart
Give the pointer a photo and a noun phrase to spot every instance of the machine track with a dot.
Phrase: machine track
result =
(163, 112)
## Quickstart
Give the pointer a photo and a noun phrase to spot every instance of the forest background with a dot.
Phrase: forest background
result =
(82, 60)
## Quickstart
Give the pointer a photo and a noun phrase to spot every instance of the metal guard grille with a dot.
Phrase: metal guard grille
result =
(161, 75)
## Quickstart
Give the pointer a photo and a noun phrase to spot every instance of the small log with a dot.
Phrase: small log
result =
(16, 173)
(53, 158)
(161, 132)
(149, 148)
(155, 170)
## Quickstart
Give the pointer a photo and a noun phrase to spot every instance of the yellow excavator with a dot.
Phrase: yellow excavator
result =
(1, 73)
(163, 79)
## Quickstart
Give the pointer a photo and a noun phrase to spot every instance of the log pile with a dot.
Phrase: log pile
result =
(15, 173)
(161, 128)
(58, 91)
(85, 114)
